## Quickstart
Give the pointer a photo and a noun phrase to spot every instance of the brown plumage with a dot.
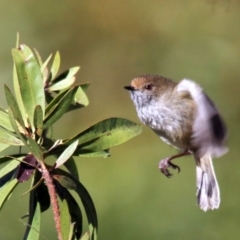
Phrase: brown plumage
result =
(184, 117)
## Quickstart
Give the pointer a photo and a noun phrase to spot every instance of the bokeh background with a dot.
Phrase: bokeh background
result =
(113, 42)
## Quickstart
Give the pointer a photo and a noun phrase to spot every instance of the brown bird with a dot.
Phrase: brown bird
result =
(182, 115)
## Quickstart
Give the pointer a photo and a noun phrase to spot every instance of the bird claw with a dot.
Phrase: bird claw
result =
(165, 164)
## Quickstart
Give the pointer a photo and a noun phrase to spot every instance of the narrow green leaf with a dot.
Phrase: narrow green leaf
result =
(72, 167)
(3, 147)
(30, 80)
(82, 153)
(67, 181)
(9, 138)
(36, 151)
(58, 106)
(75, 212)
(9, 167)
(17, 41)
(61, 85)
(55, 101)
(44, 65)
(15, 127)
(55, 144)
(32, 69)
(13, 105)
(7, 135)
(6, 190)
(38, 57)
(45, 71)
(71, 232)
(68, 152)
(81, 97)
(93, 232)
(73, 208)
(106, 134)
(4, 159)
(38, 120)
(84, 86)
(77, 101)
(4, 120)
(33, 225)
(18, 95)
(85, 236)
(34, 231)
(67, 74)
(55, 65)
(65, 220)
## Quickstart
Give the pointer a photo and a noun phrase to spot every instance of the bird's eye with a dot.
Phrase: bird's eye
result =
(148, 87)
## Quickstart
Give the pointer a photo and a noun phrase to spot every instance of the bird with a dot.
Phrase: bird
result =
(183, 116)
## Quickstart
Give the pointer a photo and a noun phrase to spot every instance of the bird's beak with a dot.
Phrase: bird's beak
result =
(129, 88)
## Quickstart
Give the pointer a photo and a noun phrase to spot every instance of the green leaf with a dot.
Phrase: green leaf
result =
(55, 65)
(38, 57)
(17, 41)
(65, 219)
(36, 151)
(61, 85)
(58, 106)
(44, 65)
(15, 127)
(86, 236)
(44, 71)
(69, 182)
(35, 226)
(3, 147)
(81, 97)
(68, 152)
(13, 105)
(72, 167)
(73, 208)
(38, 120)
(6, 190)
(4, 120)
(106, 134)
(65, 181)
(30, 80)
(9, 138)
(9, 167)
(67, 74)
(93, 232)
(71, 232)
(18, 95)
(34, 217)
(4, 159)
(84, 86)
(104, 153)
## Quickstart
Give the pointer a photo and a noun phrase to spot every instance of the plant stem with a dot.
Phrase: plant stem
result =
(53, 197)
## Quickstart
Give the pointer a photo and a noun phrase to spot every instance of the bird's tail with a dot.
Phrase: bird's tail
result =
(208, 195)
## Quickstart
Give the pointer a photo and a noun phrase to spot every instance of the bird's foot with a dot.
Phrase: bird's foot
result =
(165, 164)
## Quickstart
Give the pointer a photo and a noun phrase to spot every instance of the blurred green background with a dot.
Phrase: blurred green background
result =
(113, 42)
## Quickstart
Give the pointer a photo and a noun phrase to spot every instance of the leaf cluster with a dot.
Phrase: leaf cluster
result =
(41, 96)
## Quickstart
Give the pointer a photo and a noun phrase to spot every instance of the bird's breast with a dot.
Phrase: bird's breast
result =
(172, 125)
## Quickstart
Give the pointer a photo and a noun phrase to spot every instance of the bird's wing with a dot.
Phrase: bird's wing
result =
(209, 130)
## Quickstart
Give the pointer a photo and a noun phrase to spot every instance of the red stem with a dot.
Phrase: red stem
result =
(53, 199)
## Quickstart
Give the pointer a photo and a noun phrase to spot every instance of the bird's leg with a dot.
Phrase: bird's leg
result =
(165, 163)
